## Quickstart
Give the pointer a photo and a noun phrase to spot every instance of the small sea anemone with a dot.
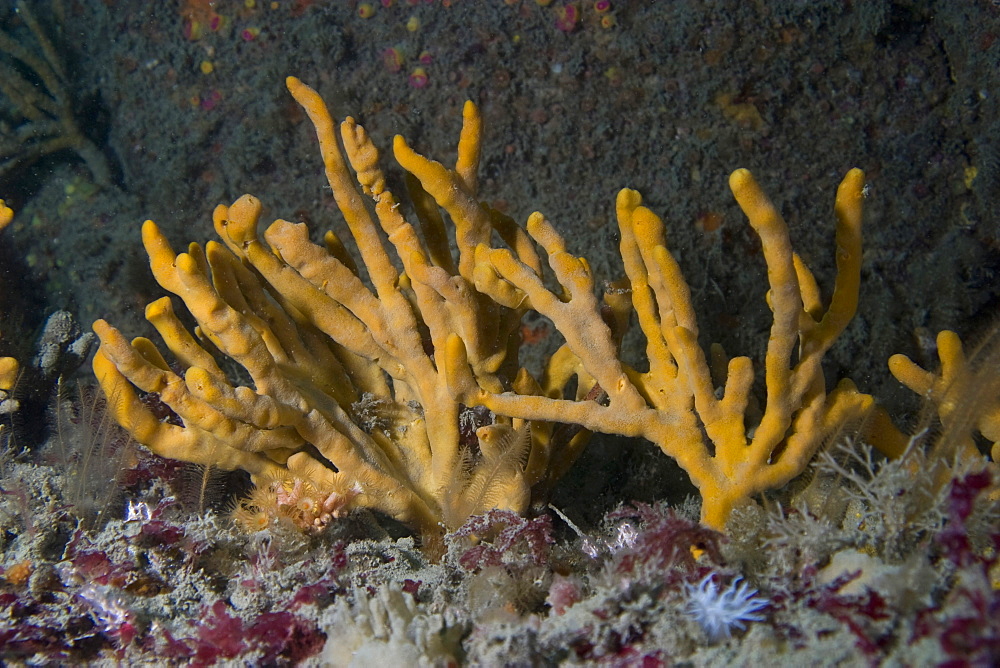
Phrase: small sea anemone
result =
(294, 502)
(250, 517)
(719, 611)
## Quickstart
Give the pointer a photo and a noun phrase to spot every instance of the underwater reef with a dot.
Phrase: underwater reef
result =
(404, 426)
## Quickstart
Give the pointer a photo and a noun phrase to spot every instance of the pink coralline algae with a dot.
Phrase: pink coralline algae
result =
(513, 535)
(664, 540)
(273, 637)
